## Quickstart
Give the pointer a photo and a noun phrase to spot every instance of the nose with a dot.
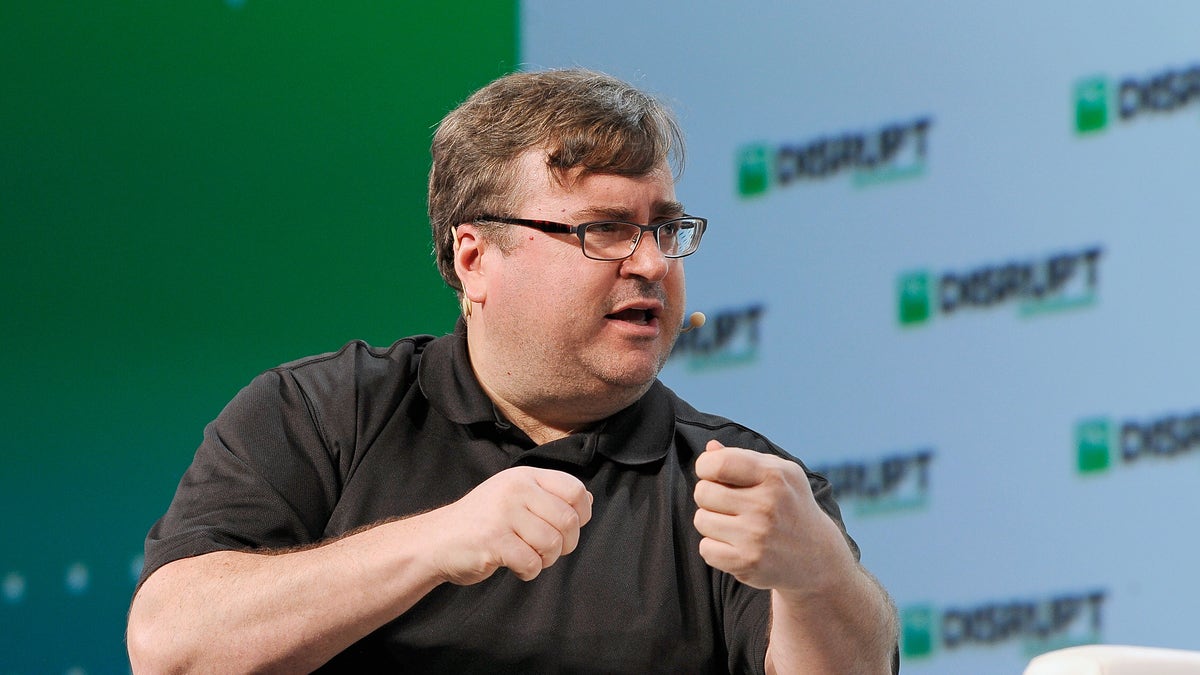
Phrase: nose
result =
(647, 260)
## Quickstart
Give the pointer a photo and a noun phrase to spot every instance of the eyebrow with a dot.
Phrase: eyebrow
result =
(661, 210)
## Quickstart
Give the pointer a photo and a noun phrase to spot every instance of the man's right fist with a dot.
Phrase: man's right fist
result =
(522, 518)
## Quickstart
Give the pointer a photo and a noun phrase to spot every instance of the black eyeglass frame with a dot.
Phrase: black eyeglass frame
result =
(581, 229)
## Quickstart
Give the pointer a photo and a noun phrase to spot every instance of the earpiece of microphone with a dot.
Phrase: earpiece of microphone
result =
(696, 320)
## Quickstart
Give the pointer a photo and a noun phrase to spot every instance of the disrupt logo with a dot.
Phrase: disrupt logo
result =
(1163, 92)
(1098, 439)
(892, 152)
(1061, 281)
(1038, 625)
(894, 483)
(731, 337)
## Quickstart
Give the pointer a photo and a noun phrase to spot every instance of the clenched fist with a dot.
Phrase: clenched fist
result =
(522, 518)
(760, 522)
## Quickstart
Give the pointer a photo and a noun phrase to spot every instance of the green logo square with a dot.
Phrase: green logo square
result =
(754, 170)
(1091, 105)
(1092, 440)
(914, 304)
(917, 631)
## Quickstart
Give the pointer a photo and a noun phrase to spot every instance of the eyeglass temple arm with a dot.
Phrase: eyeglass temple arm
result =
(543, 225)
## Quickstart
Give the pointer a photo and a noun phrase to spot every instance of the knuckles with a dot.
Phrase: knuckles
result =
(711, 465)
(705, 492)
(498, 506)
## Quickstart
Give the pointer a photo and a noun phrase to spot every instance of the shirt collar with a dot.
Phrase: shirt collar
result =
(449, 383)
(639, 434)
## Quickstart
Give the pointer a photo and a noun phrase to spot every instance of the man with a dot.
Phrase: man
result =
(522, 496)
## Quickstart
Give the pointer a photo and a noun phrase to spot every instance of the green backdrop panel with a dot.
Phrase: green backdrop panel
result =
(193, 192)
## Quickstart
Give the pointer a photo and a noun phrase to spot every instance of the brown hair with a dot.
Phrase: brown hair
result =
(582, 119)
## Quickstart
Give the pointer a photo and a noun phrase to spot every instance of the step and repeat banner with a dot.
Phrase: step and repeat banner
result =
(949, 265)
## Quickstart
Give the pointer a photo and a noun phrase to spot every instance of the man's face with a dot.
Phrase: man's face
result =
(576, 326)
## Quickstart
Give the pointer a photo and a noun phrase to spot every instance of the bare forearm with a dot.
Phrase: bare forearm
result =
(292, 612)
(850, 629)
(231, 611)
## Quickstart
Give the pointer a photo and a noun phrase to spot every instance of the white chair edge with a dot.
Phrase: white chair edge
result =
(1115, 660)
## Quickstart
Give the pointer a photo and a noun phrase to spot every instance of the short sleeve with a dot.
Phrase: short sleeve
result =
(263, 478)
(746, 616)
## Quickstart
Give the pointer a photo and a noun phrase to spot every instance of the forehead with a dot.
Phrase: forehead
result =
(578, 195)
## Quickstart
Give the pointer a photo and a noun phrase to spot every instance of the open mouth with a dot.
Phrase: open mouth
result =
(636, 316)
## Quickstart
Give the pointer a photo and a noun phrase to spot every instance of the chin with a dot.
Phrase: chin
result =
(634, 376)
(632, 367)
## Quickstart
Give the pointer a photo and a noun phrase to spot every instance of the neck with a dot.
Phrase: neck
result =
(545, 402)
(539, 431)
(547, 419)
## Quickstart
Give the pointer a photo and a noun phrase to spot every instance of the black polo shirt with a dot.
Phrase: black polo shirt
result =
(318, 447)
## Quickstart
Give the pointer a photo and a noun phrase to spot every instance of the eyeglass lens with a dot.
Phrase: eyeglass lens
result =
(617, 240)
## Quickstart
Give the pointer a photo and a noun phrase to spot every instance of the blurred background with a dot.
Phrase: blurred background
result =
(946, 265)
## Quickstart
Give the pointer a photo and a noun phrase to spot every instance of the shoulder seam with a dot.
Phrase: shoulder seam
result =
(371, 351)
(714, 427)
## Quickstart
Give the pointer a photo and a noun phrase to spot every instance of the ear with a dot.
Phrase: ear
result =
(469, 247)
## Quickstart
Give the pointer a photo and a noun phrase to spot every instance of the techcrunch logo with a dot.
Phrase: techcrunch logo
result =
(1163, 92)
(897, 482)
(1099, 439)
(729, 338)
(893, 152)
(1038, 625)
(1061, 281)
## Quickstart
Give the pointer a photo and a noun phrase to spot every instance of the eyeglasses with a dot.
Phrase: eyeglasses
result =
(616, 239)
